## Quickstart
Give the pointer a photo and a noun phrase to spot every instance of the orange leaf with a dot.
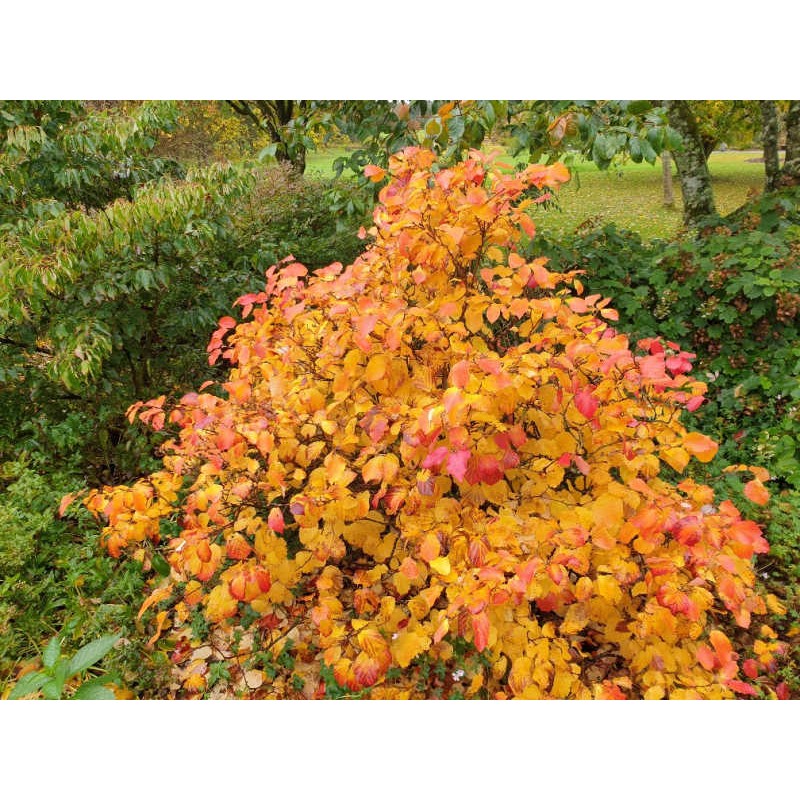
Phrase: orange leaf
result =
(756, 492)
(161, 623)
(381, 469)
(459, 374)
(430, 548)
(374, 173)
(162, 593)
(703, 447)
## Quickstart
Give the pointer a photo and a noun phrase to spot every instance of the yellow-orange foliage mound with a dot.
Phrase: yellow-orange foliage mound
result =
(439, 470)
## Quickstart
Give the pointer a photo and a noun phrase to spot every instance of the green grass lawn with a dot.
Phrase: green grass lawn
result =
(630, 196)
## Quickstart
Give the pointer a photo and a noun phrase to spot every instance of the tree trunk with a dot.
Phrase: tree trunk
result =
(274, 116)
(666, 179)
(695, 179)
(769, 117)
(790, 174)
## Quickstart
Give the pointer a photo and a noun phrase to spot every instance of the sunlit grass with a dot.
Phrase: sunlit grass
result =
(630, 196)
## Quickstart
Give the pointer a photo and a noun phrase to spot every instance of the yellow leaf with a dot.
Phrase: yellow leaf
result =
(220, 604)
(441, 565)
(608, 589)
(376, 368)
(575, 620)
(475, 684)
(608, 511)
(401, 583)
(676, 457)
(775, 605)
(473, 319)
(407, 646)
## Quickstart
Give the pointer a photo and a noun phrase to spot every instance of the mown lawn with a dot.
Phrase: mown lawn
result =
(630, 195)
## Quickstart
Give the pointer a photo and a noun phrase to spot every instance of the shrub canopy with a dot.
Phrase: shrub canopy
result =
(440, 471)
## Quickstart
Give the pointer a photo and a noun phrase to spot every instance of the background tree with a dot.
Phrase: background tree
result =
(691, 159)
(769, 140)
(286, 124)
(790, 174)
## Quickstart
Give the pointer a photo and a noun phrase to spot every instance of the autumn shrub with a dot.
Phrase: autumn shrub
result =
(440, 471)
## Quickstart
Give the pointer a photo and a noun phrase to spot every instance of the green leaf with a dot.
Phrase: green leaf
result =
(160, 565)
(91, 691)
(648, 153)
(455, 129)
(28, 684)
(52, 689)
(656, 138)
(91, 653)
(639, 106)
(672, 139)
(51, 652)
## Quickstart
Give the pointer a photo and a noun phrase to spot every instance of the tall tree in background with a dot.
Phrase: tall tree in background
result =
(695, 179)
(285, 123)
(790, 174)
(769, 139)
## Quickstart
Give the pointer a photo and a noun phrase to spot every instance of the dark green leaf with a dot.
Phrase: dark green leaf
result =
(91, 653)
(160, 565)
(639, 106)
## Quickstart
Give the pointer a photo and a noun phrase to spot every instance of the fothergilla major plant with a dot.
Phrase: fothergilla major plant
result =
(440, 472)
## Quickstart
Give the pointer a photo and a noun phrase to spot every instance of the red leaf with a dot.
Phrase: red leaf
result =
(275, 520)
(586, 402)
(740, 687)
(435, 457)
(694, 403)
(263, 579)
(488, 470)
(751, 668)
(480, 630)
(457, 464)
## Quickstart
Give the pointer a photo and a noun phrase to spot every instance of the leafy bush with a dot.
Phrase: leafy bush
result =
(57, 155)
(288, 213)
(438, 472)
